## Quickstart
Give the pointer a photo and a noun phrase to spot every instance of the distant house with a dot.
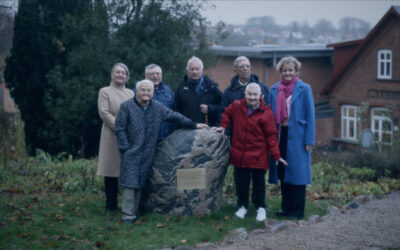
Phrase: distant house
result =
(364, 91)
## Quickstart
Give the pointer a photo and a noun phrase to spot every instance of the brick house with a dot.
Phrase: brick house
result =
(317, 69)
(364, 91)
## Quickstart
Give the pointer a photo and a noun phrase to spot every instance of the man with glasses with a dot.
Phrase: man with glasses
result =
(162, 93)
(235, 90)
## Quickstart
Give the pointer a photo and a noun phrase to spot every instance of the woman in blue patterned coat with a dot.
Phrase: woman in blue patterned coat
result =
(137, 126)
(293, 106)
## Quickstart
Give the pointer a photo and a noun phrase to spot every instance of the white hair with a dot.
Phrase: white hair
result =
(194, 59)
(151, 66)
(253, 84)
(239, 59)
(145, 81)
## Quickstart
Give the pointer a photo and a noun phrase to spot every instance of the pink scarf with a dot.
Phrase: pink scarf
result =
(285, 90)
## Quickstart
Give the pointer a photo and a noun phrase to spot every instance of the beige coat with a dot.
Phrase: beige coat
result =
(110, 98)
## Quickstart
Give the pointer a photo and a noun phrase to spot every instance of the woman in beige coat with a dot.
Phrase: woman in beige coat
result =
(110, 98)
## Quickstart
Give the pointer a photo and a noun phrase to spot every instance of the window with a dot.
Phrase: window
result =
(384, 64)
(350, 123)
(381, 125)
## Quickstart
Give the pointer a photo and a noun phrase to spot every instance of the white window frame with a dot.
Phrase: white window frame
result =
(346, 120)
(381, 119)
(384, 64)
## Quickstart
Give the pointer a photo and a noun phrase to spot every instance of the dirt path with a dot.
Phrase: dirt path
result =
(373, 225)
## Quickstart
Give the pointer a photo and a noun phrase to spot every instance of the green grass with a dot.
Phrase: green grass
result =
(48, 202)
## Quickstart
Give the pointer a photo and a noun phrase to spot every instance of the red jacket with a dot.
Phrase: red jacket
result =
(253, 136)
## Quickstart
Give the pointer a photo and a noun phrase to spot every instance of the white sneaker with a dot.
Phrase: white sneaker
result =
(241, 213)
(261, 214)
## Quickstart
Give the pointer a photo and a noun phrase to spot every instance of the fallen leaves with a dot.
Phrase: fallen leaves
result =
(160, 225)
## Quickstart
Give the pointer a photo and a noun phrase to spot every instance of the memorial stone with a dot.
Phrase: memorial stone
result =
(187, 175)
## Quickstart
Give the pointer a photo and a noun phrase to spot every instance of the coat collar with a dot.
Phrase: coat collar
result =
(235, 81)
(298, 88)
(243, 104)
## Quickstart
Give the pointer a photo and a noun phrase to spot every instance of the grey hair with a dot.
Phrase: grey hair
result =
(122, 65)
(253, 84)
(288, 59)
(151, 66)
(193, 59)
(145, 81)
(239, 59)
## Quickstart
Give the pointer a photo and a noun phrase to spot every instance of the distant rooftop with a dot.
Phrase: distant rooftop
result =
(275, 51)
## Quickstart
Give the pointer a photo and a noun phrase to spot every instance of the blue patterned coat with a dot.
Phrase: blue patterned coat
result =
(137, 134)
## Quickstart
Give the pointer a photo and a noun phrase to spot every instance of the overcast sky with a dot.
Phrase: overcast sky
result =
(237, 11)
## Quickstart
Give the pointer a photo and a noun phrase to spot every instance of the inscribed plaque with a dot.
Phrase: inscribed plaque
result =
(194, 178)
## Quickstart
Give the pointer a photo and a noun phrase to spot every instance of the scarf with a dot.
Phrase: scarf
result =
(197, 84)
(285, 90)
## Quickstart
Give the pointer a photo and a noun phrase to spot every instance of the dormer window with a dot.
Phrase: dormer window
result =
(384, 64)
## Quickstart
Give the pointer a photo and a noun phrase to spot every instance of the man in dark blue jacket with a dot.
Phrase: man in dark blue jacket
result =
(235, 90)
(162, 93)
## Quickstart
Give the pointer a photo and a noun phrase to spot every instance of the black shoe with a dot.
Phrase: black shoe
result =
(128, 221)
(281, 213)
(111, 209)
(295, 217)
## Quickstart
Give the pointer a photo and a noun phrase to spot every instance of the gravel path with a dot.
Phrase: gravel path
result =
(373, 225)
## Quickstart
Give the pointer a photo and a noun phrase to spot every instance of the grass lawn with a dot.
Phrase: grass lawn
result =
(59, 203)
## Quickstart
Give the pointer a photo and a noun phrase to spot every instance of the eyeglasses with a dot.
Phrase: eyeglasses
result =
(153, 73)
(244, 66)
(146, 91)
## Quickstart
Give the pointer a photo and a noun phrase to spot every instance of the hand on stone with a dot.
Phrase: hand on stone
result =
(218, 129)
(204, 108)
(281, 160)
(201, 125)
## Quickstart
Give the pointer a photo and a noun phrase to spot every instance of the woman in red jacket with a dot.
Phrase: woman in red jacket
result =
(254, 134)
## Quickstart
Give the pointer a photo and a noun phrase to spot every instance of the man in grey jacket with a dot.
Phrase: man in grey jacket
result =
(137, 126)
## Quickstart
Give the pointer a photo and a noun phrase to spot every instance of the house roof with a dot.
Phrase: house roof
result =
(275, 51)
(394, 11)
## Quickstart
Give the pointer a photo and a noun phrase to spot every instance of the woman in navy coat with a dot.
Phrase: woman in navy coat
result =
(293, 107)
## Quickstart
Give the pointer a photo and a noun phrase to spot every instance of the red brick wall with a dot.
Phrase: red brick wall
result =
(323, 131)
(315, 71)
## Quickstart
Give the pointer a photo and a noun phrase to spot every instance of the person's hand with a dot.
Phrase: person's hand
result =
(201, 125)
(309, 147)
(281, 160)
(204, 108)
(218, 129)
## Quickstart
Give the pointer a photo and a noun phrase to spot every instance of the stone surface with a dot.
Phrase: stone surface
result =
(187, 152)
(361, 199)
(274, 225)
(314, 219)
(258, 231)
(237, 235)
(333, 210)
(351, 205)
(206, 245)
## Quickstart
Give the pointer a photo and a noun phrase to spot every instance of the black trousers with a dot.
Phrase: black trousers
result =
(111, 189)
(242, 177)
(293, 196)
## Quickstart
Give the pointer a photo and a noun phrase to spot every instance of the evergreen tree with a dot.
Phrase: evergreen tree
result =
(34, 53)
(72, 98)
(156, 31)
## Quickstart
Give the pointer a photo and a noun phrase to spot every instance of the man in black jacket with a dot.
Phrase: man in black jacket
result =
(197, 96)
(235, 90)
